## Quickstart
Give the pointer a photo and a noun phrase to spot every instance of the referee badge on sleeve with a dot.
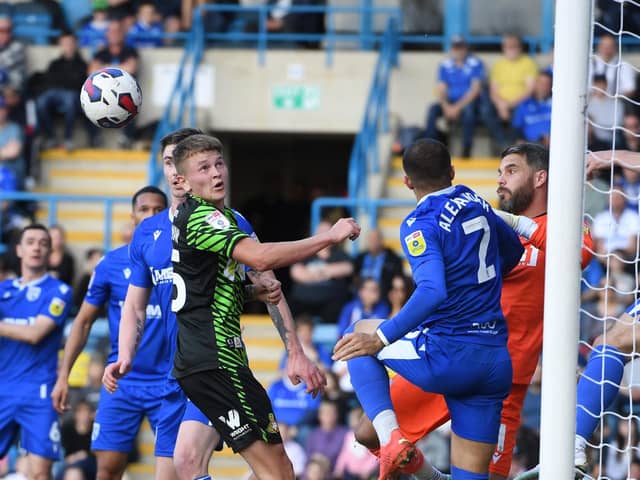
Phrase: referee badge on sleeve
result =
(56, 307)
(416, 243)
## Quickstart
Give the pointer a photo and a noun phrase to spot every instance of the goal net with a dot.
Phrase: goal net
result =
(610, 282)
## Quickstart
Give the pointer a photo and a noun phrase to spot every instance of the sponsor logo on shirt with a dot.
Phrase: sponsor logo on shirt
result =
(416, 243)
(217, 220)
(164, 275)
(56, 307)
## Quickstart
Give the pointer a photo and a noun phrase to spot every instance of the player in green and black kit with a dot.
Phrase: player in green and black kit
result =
(209, 257)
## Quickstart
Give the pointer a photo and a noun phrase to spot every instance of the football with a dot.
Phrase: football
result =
(110, 97)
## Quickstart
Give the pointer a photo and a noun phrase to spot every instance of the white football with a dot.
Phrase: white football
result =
(110, 97)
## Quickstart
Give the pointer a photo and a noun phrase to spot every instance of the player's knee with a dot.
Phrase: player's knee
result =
(188, 463)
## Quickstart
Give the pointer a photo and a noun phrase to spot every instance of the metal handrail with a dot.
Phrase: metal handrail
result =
(52, 200)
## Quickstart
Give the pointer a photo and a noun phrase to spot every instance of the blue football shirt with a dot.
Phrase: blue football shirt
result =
(22, 363)
(458, 250)
(108, 286)
(459, 78)
(533, 117)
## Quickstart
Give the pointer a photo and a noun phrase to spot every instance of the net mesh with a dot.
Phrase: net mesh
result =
(610, 282)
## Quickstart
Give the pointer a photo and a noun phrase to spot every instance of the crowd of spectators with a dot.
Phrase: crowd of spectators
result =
(512, 98)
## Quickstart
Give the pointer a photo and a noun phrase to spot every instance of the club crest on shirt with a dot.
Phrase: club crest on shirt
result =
(33, 293)
(56, 307)
(416, 243)
(127, 273)
(217, 220)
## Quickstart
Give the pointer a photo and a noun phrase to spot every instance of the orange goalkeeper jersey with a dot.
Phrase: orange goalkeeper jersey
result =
(523, 301)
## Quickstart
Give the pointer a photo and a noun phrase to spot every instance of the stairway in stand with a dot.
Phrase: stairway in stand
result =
(479, 174)
(104, 173)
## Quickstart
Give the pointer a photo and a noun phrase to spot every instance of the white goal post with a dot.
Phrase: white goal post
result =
(564, 237)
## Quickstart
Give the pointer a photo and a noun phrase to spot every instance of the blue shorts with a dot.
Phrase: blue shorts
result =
(31, 411)
(194, 414)
(120, 414)
(174, 402)
(474, 379)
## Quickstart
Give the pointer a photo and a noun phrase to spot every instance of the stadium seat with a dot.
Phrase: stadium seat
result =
(31, 22)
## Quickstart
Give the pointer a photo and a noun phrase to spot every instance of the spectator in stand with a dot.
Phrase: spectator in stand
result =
(75, 436)
(13, 62)
(321, 283)
(460, 79)
(630, 183)
(294, 450)
(532, 118)
(123, 11)
(64, 79)
(622, 449)
(315, 351)
(605, 114)
(61, 263)
(318, 468)
(631, 132)
(621, 77)
(147, 31)
(328, 437)
(94, 33)
(377, 262)
(401, 290)
(11, 143)
(282, 20)
(617, 228)
(367, 304)
(291, 403)
(93, 256)
(511, 80)
(355, 461)
(117, 54)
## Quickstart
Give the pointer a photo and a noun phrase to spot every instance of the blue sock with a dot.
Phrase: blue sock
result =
(371, 383)
(601, 378)
(460, 474)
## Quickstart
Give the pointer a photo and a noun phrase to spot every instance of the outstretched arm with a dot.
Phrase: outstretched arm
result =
(603, 159)
(267, 256)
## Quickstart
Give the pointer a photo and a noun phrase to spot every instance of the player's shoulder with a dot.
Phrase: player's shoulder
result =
(114, 257)
(56, 287)
(151, 223)
(244, 224)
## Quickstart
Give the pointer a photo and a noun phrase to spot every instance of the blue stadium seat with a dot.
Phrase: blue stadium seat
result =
(31, 22)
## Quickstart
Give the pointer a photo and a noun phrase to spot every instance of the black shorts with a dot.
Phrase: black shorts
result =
(236, 403)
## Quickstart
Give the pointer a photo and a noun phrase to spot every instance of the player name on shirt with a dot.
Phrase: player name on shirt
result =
(453, 206)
